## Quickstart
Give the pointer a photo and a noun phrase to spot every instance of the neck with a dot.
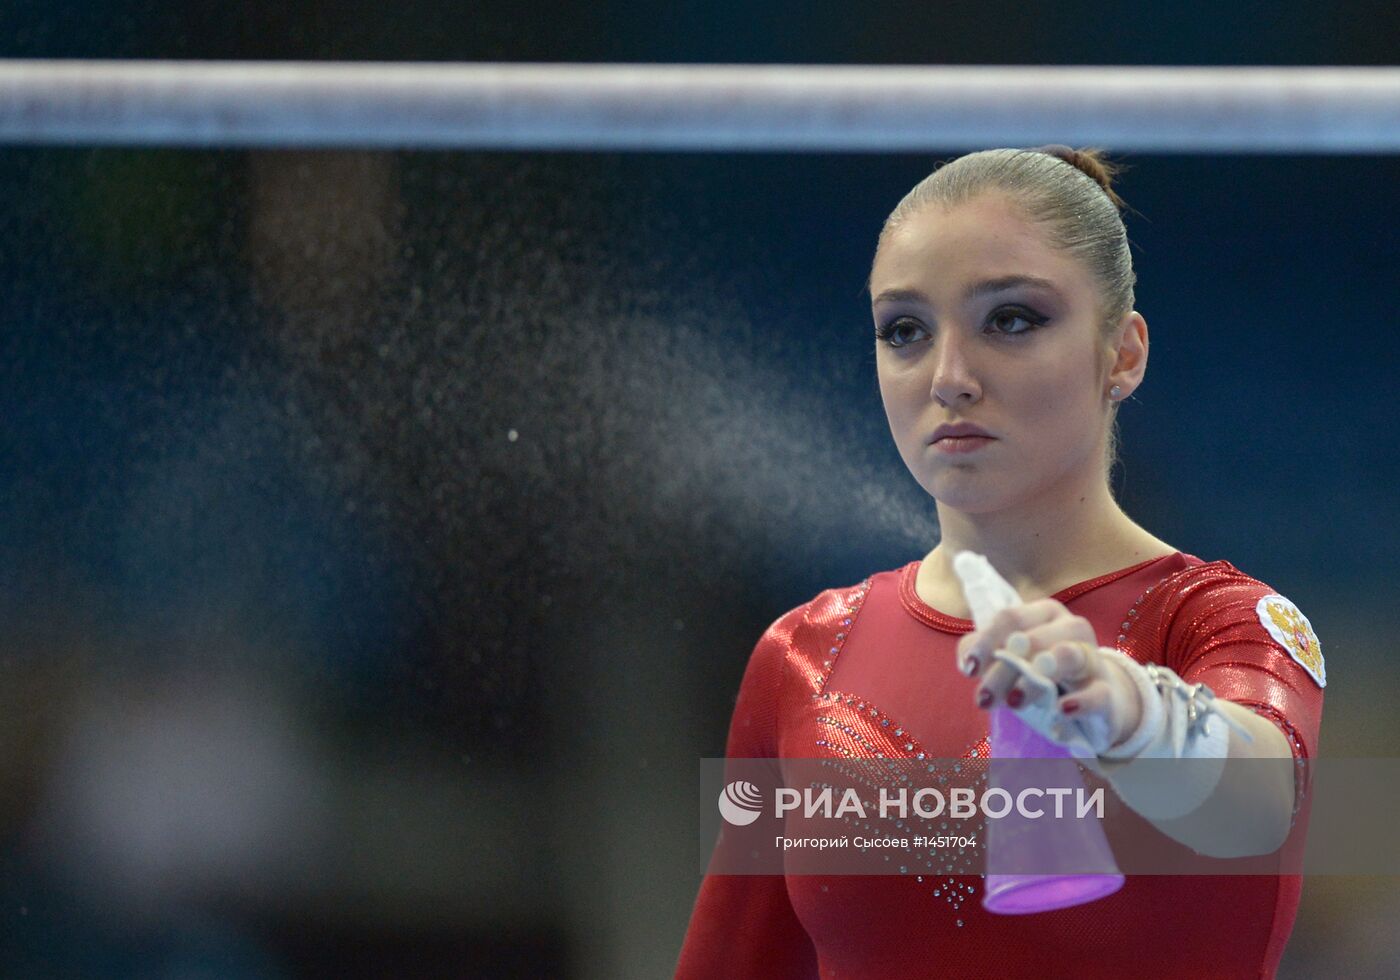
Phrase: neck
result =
(1067, 535)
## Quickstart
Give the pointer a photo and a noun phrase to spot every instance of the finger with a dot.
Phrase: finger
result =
(1068, 627)
(969, 660)
(975, 648)
(1090, 709)
(1014, 656)
(1004, 671)
(1064, 628)
(1067, 662)
(1029, 684)
(1017, 618)
(1018, 644)
(1021, 643)
(997, 678)
(1092, 698)
(974, 652)
(1002, 633)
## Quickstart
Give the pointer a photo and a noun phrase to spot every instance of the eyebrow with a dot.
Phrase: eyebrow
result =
(977, 289)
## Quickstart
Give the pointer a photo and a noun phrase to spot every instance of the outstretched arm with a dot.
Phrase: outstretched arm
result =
(1042, 661)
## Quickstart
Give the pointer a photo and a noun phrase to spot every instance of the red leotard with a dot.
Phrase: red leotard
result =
(876, 659)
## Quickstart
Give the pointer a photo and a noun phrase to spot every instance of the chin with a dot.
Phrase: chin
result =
(970, 493)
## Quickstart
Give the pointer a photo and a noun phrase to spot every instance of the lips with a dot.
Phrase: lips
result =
(961, 444)
(959, 430)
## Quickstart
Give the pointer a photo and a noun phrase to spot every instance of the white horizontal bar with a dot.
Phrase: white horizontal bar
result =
(698, 107)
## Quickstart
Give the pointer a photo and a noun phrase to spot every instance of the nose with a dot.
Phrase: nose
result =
(954, 381)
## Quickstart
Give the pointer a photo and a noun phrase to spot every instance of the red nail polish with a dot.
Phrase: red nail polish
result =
(973, 667)
(984, 699)
(1069, 707)
(1015, 698)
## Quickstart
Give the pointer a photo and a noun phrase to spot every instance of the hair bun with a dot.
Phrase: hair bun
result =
(1091, 162)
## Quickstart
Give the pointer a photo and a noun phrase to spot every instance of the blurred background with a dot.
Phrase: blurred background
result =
(383, 535)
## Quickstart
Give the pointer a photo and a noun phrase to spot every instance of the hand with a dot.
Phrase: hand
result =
(1043, 662)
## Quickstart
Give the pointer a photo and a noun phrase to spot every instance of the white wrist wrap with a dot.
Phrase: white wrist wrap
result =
(1179, 721)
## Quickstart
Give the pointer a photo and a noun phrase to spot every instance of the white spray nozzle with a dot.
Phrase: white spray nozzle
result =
(986, 592)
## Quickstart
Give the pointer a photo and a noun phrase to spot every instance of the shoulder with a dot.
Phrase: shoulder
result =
(1216, 600)
(786, 657)
(827, 612)
(1214, 583)
(1211, 584)
(803, 639)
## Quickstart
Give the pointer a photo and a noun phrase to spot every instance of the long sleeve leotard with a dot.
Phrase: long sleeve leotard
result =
(841, 674)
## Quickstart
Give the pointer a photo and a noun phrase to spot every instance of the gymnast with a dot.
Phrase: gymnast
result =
(1006, 340)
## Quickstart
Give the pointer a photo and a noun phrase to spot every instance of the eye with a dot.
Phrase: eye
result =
(1009, 315)
(890, 333)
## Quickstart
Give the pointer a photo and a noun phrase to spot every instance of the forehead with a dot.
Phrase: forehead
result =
(985, 237)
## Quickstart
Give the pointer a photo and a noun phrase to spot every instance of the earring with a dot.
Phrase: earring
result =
(1114, 392)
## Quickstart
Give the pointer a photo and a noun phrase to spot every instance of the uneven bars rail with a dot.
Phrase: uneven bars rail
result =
(698, 107)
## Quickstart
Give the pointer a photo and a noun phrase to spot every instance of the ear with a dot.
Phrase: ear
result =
(1129, 353)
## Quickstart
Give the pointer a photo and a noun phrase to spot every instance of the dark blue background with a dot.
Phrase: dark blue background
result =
(256, 412)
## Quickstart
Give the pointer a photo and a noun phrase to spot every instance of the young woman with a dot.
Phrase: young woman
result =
(1002, 296)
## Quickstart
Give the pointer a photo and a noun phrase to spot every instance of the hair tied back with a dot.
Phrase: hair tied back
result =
(1090, 162)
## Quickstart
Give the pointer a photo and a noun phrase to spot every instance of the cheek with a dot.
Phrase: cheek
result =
(1058, 405)
(900, 392)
